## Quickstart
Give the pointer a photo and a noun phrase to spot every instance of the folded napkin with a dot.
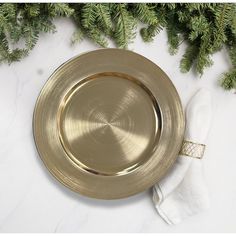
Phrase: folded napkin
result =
(183, 191)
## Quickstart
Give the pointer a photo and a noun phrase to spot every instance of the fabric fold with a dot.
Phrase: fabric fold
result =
(183, 191)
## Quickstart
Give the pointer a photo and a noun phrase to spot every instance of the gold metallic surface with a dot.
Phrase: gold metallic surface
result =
(192, 149)
(108, 124)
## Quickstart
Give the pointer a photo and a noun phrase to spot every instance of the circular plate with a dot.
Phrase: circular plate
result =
(108, 124)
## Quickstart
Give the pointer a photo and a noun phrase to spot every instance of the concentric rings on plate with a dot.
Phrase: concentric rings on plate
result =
(108, 123)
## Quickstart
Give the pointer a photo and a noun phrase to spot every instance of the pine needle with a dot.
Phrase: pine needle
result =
(206, 27)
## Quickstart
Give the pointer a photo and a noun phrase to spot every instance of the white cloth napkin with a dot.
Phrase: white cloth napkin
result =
(183, 191)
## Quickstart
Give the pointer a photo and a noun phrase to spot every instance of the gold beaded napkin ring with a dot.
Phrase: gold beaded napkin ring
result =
(191, 149)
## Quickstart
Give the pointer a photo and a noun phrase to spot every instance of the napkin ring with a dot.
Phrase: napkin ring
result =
(195, 150)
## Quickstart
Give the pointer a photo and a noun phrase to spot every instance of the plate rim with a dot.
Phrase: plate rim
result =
(41, 94)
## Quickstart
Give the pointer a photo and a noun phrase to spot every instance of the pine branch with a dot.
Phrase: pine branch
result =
(173, 40)
(198, 25)
(60, 9)
(203, 58)
(144, 13)
(32, 10)
(97, 36)
(88, 16)
(104, 20)
(189, 58)
(228, 80)
(173, 33)
(125, 25)
(89, 23)
(222, 19)
(206, 27)
(150, 32)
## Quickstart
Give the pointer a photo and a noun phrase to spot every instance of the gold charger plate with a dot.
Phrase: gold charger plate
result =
(108, 124)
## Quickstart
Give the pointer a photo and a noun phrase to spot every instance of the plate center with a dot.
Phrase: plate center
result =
(109, 124)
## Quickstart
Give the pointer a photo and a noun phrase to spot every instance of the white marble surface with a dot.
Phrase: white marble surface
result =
(32, 201)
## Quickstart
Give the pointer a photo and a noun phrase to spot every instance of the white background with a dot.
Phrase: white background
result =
(32, 201)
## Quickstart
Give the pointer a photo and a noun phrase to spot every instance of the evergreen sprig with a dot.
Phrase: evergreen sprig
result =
(24, 22)
(125, 24)
(205, 27)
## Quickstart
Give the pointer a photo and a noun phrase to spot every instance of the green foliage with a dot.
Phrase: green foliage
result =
(150, 32)
(24, 22)
(89, 17)
(189, 57)
(104, 19)
(229, 80)
(205, 27)
(144, 13)
(125, 24)
(173, 33)
(153, 29)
